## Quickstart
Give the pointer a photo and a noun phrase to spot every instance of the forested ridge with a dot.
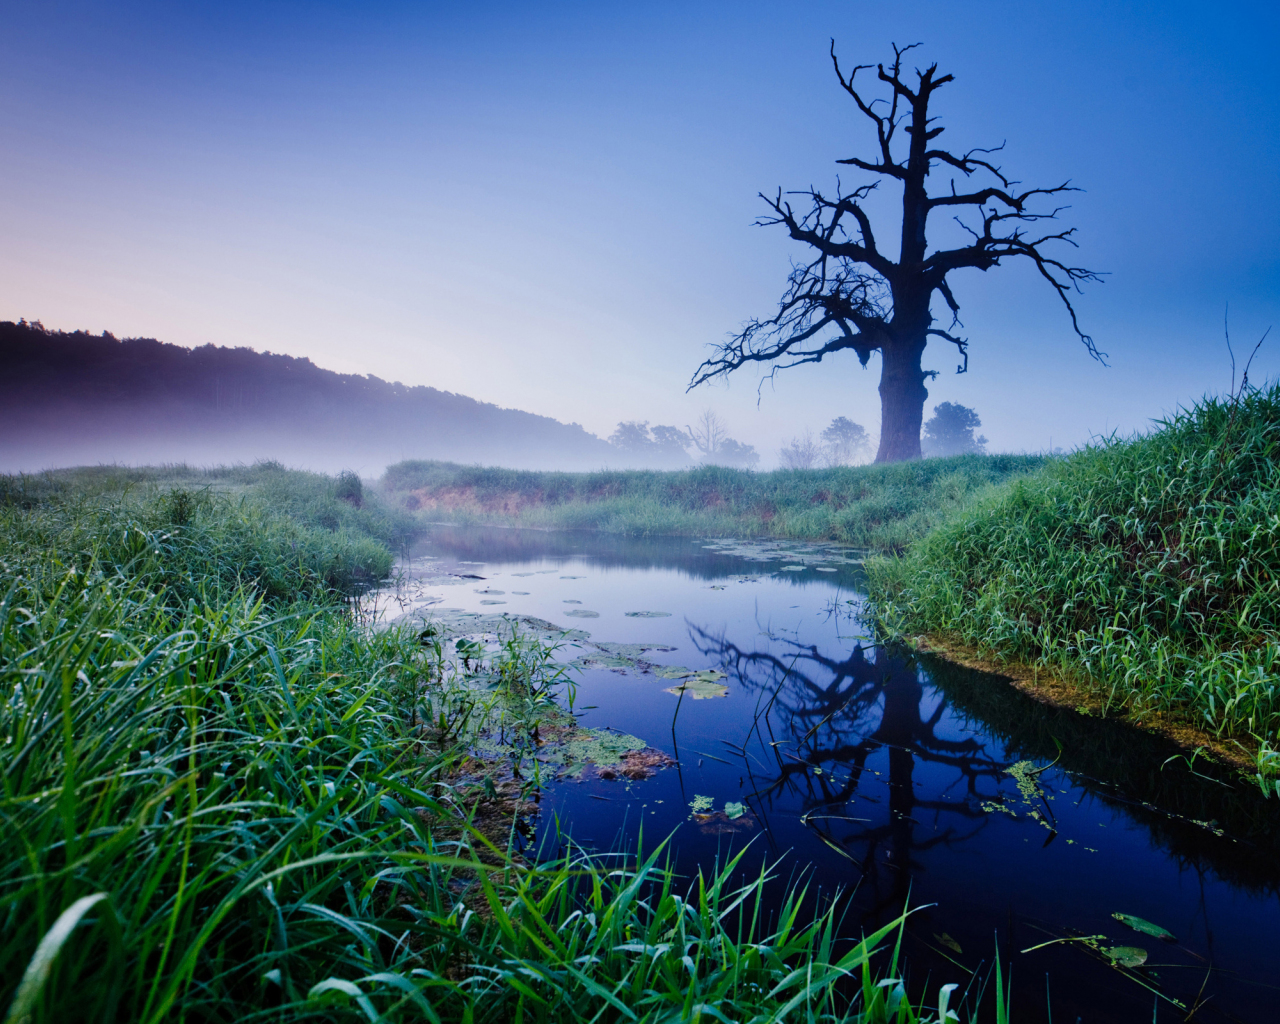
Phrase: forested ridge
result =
(62, 391)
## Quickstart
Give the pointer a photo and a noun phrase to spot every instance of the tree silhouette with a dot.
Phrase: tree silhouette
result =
(850, 295)
(823, 718)
(950, 431)
(844, 441)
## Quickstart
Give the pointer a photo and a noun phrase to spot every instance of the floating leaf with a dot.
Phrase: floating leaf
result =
(573, 577)
(733, 809)
(949, 942)
(493, 601)
(582, 613)
(1145, 927)
(710, 675)
(792, 568)
(823, 568)
(648, 615)
(701, 804)
(699, 688)
(1125, 956)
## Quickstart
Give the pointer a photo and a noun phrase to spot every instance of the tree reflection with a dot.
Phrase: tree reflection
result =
(818, 720)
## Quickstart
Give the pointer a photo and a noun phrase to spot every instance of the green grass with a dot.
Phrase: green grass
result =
(1147, 568)
(226, 799)
(310, 500)
(881, 507)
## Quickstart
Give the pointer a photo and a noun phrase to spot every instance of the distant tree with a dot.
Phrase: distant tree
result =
(850, 295)
(632, 436)
(801, 452)
(844, 442)
(663, 445)
(735, 453)
(709, 434)
(950, 431)
(710, 438)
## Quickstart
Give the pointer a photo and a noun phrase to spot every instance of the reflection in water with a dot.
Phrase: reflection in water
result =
(832, 715)
(898, 780)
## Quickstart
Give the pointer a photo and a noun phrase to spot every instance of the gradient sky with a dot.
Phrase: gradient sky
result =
(549, 206)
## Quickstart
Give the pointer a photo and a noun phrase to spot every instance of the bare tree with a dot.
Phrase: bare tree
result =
(801, 452)
(850, 295)
(709, 435)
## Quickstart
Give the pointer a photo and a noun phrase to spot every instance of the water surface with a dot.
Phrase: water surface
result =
(888, 778)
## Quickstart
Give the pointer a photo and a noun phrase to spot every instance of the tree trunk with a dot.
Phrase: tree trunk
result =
(902, 395)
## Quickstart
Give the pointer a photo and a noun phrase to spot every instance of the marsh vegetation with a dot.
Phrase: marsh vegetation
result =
(882, 507)
(228, 798)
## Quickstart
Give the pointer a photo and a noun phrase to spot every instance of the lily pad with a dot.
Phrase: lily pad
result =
(573, 577)
(630, 650)
(699, 688)
(792, 568)
(569, 600)
(733, 809)
(582, 613)
(602, 661)
(711, 675)
(1145, 927)
(648, 615)
(520, 593)
(493, 601)
(490, 590)
(1125, 956)
(823, 568)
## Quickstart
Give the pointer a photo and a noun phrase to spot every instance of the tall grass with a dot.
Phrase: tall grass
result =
(222, 805)
(1148, 568)
(311, 500)
(882, 507)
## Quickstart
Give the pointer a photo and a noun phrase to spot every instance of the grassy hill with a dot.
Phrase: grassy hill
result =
(1147, 569)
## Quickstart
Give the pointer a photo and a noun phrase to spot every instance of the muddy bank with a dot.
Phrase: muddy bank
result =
(1056, 690)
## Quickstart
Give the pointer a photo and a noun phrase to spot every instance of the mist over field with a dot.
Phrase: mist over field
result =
(82, 399)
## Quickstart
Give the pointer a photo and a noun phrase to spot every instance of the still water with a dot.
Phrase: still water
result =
(888, 778)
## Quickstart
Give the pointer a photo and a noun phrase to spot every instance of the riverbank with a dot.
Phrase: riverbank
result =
(884, 508)
(1144, 572)
(228, 798)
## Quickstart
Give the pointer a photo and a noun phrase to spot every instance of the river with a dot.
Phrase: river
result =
(882, 778)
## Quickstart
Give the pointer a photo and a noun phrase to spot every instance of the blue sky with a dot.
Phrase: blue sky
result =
(550, 206)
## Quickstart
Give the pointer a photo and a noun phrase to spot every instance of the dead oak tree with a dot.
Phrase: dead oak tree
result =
(851, 295)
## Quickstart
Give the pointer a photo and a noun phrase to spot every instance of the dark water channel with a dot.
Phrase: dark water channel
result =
(892, 778)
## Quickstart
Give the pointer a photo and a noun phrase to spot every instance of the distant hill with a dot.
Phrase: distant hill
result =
(80, 398)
